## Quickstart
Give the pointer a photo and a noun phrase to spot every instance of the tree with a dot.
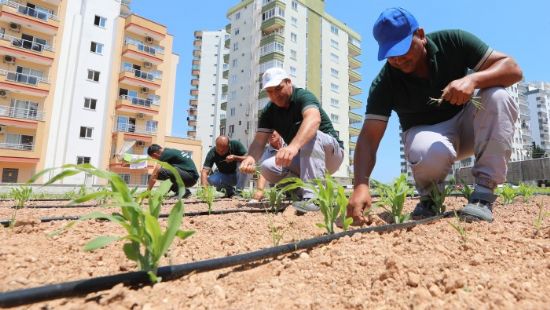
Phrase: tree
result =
(537, 151)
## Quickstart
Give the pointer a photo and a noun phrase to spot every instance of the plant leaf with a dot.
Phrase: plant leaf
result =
(100, 242)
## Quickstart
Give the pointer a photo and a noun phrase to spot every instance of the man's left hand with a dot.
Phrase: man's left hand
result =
(285, 155)
(459, 91)
(230, 158)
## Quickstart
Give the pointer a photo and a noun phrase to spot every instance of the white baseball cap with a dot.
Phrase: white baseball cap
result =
(273, 77)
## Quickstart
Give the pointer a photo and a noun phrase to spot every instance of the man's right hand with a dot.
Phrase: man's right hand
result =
(359, 201)
(248, 165)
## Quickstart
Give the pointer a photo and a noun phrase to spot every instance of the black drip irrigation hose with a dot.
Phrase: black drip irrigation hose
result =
(81, 287)
(6, 223)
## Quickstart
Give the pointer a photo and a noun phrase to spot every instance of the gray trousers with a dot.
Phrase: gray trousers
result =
(321, 154)
(486, 133)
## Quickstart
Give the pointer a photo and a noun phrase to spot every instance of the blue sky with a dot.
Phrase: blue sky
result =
(517, 28)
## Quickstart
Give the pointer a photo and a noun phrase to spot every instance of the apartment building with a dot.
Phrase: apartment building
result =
(537, 100)
(208, 87)
(94, 84)
(316, 49)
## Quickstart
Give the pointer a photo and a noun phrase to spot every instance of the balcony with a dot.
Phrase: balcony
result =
(18, 15)
(17, 146)
(195, 82)
(197, 53)
(193, 102)
(192, 122)
(225, 58)
(134, 77)
(354, 77)
(137, 50)
(354, 103)
(272, 38)
(138, 105)
(352, 145)
(353, 50)
(194, 92)
(197, 43)
(223, 106)
(353, 132)
(196, 73)
(41, 54)
(273, 24)
(192, 133)
(227, 43)
(24, 83)
(225, 74)
(354, 63)
(354, 90)
(193, 111)
(197, 34)
(133, 129)
(145, 28)
(355, 118)
(19, 117)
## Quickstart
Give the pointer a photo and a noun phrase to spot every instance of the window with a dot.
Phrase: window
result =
(125, 177)
(232, 112)
(234, 63)
(334, 44)
(86, 132)
(334, 102)
(93, 75)
(100, 21)
(333, 29)
(151, 126)
(238, 15)
(293, 37)
(96, 48)
(235, 46)
(237, 31)
(82, 160)
(334, 118)
(90, 103)
(295, 5)
(334, 72)
(293, 54)
(144, 179)
(334, 87)
(276, 11)
(334, 58)
(294, 21)
(293, 71)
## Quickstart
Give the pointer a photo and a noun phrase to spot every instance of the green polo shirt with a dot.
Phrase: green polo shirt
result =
(235, 148)
(180, 159)
(450, 54)
(287, 121)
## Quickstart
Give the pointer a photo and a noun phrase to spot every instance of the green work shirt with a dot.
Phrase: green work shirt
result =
(180, 159)
(287, 121)
(450, 54)
(235, 148)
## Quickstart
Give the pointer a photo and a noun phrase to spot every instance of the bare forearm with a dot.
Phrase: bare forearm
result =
(503, 72)
(364, 161)
(261, 183)
(307, 131)
(204, 177)
(256, 149)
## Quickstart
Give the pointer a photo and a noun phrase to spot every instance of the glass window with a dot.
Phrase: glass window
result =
(333, 29)
(86, 132)
(93, 75)
(90, 103)
(82, 160)
(100, 21)
(96, 48)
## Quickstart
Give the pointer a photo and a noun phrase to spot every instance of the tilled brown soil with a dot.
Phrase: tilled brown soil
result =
(504, 264)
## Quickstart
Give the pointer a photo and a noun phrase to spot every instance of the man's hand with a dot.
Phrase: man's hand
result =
(230, 158)
(258, 195)
(248, 165)
(359, 201)
(459, 91)
(285, 155)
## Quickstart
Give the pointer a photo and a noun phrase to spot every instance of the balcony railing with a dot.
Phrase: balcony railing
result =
(26, 44)
(134, 129)
(17, 146)
(21, 113)
(149, 49)
(33, 12)
(143, 74)
(144, 102)
(23, 78)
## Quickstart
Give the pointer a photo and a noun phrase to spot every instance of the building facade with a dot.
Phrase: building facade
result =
(318, 52)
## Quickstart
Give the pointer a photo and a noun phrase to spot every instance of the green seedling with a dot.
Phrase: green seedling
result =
(274, 197)
(246, 194)
(507, 193)
(392, 197)
(525, 191)
(20, 195)
(329, 196)
(465, 190)
(276, 232)
(207, 194)
(459, 228)
(439, 195)
(145, 241)
(438, 101)
(539, 221)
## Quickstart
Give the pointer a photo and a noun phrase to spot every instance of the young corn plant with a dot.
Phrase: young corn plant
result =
(145, 241)
(246, 194)
(20, 195)
(465, 190)
(207, 194)
(274, 197)
(438, 197)
(526, 191)
(459, 228)
(539, 221)
(507, 193)
(276, 232)
(329, 196)
(392, 198)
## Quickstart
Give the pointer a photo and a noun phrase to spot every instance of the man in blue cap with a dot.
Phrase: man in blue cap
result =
(425, 82)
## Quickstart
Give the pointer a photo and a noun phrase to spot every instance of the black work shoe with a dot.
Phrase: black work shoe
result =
(187, 193)
(479, 208)
(424, 208)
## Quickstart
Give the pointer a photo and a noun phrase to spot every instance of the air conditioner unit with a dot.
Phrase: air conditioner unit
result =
(15, 27)
(149, 40)
(140, 115)
(3, 93)
(2, 128)
(144, 90)
(140, 143)
(9, 59)
(147, 65)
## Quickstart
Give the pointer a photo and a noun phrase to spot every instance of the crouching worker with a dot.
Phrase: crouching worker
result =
(180, 160)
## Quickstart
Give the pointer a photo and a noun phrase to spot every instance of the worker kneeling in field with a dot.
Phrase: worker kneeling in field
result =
(313, 145)
(180, 160)
(425, 82)
(276, 142)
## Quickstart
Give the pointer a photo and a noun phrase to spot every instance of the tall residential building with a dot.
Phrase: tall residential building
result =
(110, 94)
(537, 100)
(208, 87)
(317, 50)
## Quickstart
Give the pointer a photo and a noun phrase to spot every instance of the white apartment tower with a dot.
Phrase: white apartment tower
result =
(208, 87)
(317, 50)
(537, 100)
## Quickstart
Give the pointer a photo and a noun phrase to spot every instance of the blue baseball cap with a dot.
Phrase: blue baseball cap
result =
(394, 30)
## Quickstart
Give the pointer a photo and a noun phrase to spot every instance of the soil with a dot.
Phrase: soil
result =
(504, 264)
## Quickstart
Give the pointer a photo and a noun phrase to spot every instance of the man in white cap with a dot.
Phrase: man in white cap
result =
(313, 145)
